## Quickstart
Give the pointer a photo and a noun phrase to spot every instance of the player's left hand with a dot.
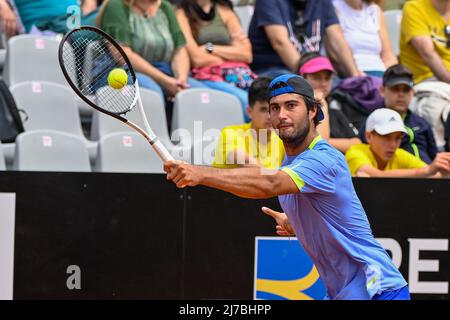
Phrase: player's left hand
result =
(182, 173)
(283, 227)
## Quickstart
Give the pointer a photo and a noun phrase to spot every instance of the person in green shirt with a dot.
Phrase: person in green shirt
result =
(43, 15)
(149, 33)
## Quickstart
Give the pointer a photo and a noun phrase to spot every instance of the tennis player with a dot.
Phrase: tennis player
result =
(315, 190)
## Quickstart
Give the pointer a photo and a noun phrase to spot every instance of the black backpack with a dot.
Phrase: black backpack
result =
(348, 118)
(10, 122)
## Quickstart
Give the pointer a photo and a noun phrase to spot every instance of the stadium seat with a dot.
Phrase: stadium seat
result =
(32, 58)
(47, 150)
(35, 58)
(103, 125)
(245, 14)
(200, 114)
(127, 152)
(204, 150)
(211, 109)
(393, 23)
(50, 106)
(2, 159)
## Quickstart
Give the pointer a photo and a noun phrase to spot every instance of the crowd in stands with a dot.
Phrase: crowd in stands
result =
(387, 113)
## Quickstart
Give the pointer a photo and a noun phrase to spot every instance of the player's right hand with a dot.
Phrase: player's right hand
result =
(283, 227)
(182, 173)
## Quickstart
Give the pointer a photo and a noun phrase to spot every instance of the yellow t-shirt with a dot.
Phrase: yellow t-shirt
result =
(420, 18)
(270, 154)
(360, 154)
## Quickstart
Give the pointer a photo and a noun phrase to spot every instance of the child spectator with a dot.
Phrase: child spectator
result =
(398, 92)
(254, 143)
(382, 157)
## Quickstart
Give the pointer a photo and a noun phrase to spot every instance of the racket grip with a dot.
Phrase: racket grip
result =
(162, 151)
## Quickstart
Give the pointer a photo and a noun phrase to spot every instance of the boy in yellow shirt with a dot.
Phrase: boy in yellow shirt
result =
(253, 143)
(382, 157)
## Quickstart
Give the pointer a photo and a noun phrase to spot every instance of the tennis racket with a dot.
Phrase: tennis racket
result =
(90, 80)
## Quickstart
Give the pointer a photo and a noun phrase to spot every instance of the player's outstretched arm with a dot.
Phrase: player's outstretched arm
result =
(249, 182)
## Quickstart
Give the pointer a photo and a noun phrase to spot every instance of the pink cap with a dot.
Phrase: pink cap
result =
(315, 65)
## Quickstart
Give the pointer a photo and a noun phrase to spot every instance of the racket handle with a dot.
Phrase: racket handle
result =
(162, 151)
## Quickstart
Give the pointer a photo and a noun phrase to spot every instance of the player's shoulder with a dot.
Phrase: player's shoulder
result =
(322, 154)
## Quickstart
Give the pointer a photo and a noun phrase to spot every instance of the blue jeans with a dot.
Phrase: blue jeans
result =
(148, 83)
(239, 93)
(400, 294)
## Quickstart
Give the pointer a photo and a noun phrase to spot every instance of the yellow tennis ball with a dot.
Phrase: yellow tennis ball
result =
(117, 78)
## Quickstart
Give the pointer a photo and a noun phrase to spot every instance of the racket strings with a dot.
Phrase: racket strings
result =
(88, 59)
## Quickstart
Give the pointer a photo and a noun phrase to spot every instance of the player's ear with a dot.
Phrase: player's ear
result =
(313, 111)
(382, 88)
(249, 111)
(368, 136)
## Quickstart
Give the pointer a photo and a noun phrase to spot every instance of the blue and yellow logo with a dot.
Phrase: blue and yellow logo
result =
(283, 271)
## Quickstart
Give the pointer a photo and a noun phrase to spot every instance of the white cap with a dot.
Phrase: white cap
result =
(385, 121)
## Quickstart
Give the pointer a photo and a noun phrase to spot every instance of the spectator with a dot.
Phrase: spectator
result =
(317, 69)
(398, 92)
(365, 30)
(9, 19)
(425, 39)
(43, 15)
(382, 157)
(253, 143)
(282, 30)
(151, 37)
(214, 36)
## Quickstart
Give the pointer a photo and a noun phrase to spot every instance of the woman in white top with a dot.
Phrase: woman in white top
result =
(366, 32)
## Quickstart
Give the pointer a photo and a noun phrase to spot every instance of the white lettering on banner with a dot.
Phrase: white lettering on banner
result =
(7, 223)
(416, 265)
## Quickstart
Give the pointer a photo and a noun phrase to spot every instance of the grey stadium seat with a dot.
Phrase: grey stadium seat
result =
(30, 57)
(211, 109)
(156, 115)
(50, 106)
(46, 150)
(245, 14)
(204, 150)
(127, 152)
(200, 114)
(393, 22)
